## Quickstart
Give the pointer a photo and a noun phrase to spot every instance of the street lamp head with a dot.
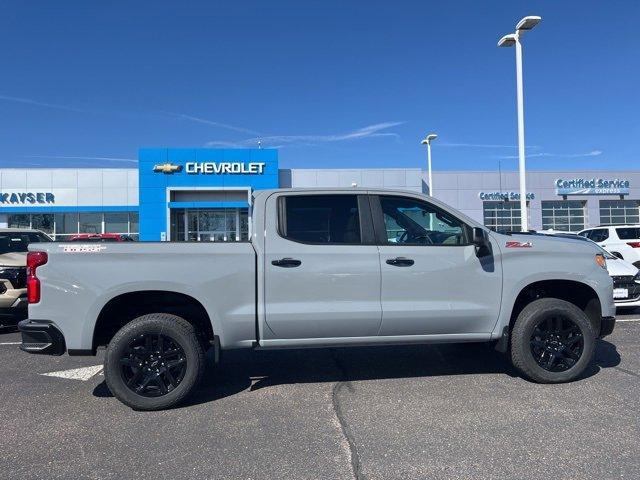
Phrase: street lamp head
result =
(507, 40)
(427, 140)
(527, 23)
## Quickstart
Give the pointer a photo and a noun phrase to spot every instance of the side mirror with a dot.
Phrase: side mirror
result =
(481, 241)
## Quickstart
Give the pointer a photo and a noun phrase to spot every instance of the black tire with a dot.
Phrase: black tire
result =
(173, 382)
(553, 357)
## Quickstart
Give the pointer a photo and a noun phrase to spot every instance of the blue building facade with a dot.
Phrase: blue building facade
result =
(201, 194)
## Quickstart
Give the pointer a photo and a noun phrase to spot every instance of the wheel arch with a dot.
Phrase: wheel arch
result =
(578, 293)
(124, 307)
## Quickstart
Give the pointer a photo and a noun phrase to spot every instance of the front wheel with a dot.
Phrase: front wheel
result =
(154, 362)
(552, 341)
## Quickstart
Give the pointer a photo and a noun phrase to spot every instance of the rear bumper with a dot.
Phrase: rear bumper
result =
(41, 337)
(606, 326)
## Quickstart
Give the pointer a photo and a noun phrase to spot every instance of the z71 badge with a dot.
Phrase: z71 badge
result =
(515, 244)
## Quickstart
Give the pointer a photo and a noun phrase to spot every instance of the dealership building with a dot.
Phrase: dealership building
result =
(205, 194)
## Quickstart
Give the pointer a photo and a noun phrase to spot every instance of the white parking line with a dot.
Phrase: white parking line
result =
(10, 343)
(83, 373)
(627, 320)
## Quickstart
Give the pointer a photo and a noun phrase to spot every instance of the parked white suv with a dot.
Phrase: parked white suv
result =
(621, 240)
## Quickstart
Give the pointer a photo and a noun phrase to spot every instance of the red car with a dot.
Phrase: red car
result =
(100, 237)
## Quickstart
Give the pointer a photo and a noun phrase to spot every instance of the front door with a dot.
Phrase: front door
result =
(322, 270)
(432, 281)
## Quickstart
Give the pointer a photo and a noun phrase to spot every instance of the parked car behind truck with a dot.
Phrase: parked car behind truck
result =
(623, 241)
(323, 268)
(13, 273)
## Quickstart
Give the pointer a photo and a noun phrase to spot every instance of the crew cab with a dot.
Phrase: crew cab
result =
(322, 268)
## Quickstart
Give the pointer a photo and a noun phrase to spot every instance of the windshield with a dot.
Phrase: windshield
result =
(11, 242)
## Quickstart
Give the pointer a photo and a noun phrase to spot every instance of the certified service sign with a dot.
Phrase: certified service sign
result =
(592, 186)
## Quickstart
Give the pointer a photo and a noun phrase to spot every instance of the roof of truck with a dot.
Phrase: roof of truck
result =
(259, 193)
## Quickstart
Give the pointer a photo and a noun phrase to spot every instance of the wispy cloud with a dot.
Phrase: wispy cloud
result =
(481, 145)
(191, 118)
(278, 141)
(36, 103)
(592, 153)
(267, 140)
(72, 157)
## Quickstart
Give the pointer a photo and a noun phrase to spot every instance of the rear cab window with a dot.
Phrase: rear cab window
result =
(321, 219)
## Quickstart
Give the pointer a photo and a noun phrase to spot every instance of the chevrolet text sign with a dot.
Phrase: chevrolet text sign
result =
(212, 168)
(592, 186)
(26, 197)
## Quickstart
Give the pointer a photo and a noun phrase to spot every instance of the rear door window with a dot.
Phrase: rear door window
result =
(321, 219)
(632, 233)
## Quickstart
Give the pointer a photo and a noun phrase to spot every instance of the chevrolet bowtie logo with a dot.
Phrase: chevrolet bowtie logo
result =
(167, 168)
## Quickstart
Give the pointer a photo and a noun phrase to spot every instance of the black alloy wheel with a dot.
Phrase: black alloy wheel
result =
(556, 343)
(153, 365)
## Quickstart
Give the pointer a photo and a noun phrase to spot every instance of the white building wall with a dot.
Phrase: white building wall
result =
(73, 187)
(395, 178)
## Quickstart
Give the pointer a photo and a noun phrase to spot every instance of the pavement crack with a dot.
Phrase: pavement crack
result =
(628, 372)
(338, 387)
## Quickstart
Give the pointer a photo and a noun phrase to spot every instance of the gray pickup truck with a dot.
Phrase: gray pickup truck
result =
(323, 268)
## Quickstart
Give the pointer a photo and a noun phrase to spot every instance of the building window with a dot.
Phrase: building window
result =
(66, 224)
(116, 222)
(209, 225)
(43, 222)
(502, 215)
(62, 225)
(19, 221)
(619, 212)
(563, 215)
(90, 223)
(134, 222)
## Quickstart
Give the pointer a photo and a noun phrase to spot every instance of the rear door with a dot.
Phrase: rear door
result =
(322, 270)
(432, 281)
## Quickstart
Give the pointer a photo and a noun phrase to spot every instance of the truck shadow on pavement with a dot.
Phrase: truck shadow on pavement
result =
(247, 370)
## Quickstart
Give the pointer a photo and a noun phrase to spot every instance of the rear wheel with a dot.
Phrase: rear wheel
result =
(552, 341)
(154, 362)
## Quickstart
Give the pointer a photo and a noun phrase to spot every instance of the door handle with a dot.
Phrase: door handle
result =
(286, 263)
(400, 262)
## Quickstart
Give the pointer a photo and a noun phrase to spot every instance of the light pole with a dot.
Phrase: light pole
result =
(427, 141)
(527, 23)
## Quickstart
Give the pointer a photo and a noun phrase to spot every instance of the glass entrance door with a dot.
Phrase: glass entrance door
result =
(210, 225)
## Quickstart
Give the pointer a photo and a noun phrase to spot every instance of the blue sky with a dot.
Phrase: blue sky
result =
(331, 83)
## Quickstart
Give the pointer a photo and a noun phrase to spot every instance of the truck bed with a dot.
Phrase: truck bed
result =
(83, 277)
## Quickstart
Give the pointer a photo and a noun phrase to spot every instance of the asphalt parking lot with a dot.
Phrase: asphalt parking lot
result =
(448, 411)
